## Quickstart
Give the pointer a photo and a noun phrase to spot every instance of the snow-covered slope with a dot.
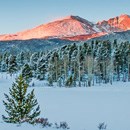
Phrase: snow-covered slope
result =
(67, 27)
(72, 28)
(32, 45)
(82, 108)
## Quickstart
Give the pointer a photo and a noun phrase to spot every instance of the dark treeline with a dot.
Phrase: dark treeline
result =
(73, 65)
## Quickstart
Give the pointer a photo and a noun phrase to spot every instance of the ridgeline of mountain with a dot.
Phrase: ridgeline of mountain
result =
(72, 28)
(117, 24)
(32, 45)
(67, 27)
(119, 36)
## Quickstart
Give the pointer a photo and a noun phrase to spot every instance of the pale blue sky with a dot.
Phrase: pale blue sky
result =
(18, 15)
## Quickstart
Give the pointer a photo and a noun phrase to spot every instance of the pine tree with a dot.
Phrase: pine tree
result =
(12, 64)
(50, 80)
(20, 59)
(1, 61)
(90, 64)
(50, 73)
(4, 60)
(33, 60)
(69, 81)
(20, 106)
(41, 69)
(27, 73)
(65, 65)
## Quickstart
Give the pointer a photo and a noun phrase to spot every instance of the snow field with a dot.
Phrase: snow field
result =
(82, 108)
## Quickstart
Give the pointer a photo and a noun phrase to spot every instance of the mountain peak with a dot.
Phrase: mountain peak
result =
(72, 17)
(116, 24)
(69, 26)
(124, 16)
(67, 17)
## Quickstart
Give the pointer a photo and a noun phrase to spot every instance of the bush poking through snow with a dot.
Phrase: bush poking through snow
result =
(62, 125)
(43, 121)
(102, 126)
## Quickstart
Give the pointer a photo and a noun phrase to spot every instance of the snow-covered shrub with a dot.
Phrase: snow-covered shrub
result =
(62, 125)
(43, 121)
(102, 126)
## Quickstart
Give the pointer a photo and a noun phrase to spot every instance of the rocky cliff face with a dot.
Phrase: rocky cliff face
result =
(119, 23)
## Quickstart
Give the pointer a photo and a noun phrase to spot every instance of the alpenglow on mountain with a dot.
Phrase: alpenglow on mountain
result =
(72, 28)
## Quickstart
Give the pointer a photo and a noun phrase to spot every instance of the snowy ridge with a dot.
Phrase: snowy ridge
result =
(119, 23)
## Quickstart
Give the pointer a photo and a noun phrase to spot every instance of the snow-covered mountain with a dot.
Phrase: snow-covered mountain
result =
(67, 27)
(119, 23)
(72, 28)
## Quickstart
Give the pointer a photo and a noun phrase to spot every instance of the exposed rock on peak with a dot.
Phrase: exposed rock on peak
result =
(119, 23)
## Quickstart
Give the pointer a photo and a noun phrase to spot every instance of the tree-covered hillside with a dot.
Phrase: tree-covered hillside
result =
(71, 65)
